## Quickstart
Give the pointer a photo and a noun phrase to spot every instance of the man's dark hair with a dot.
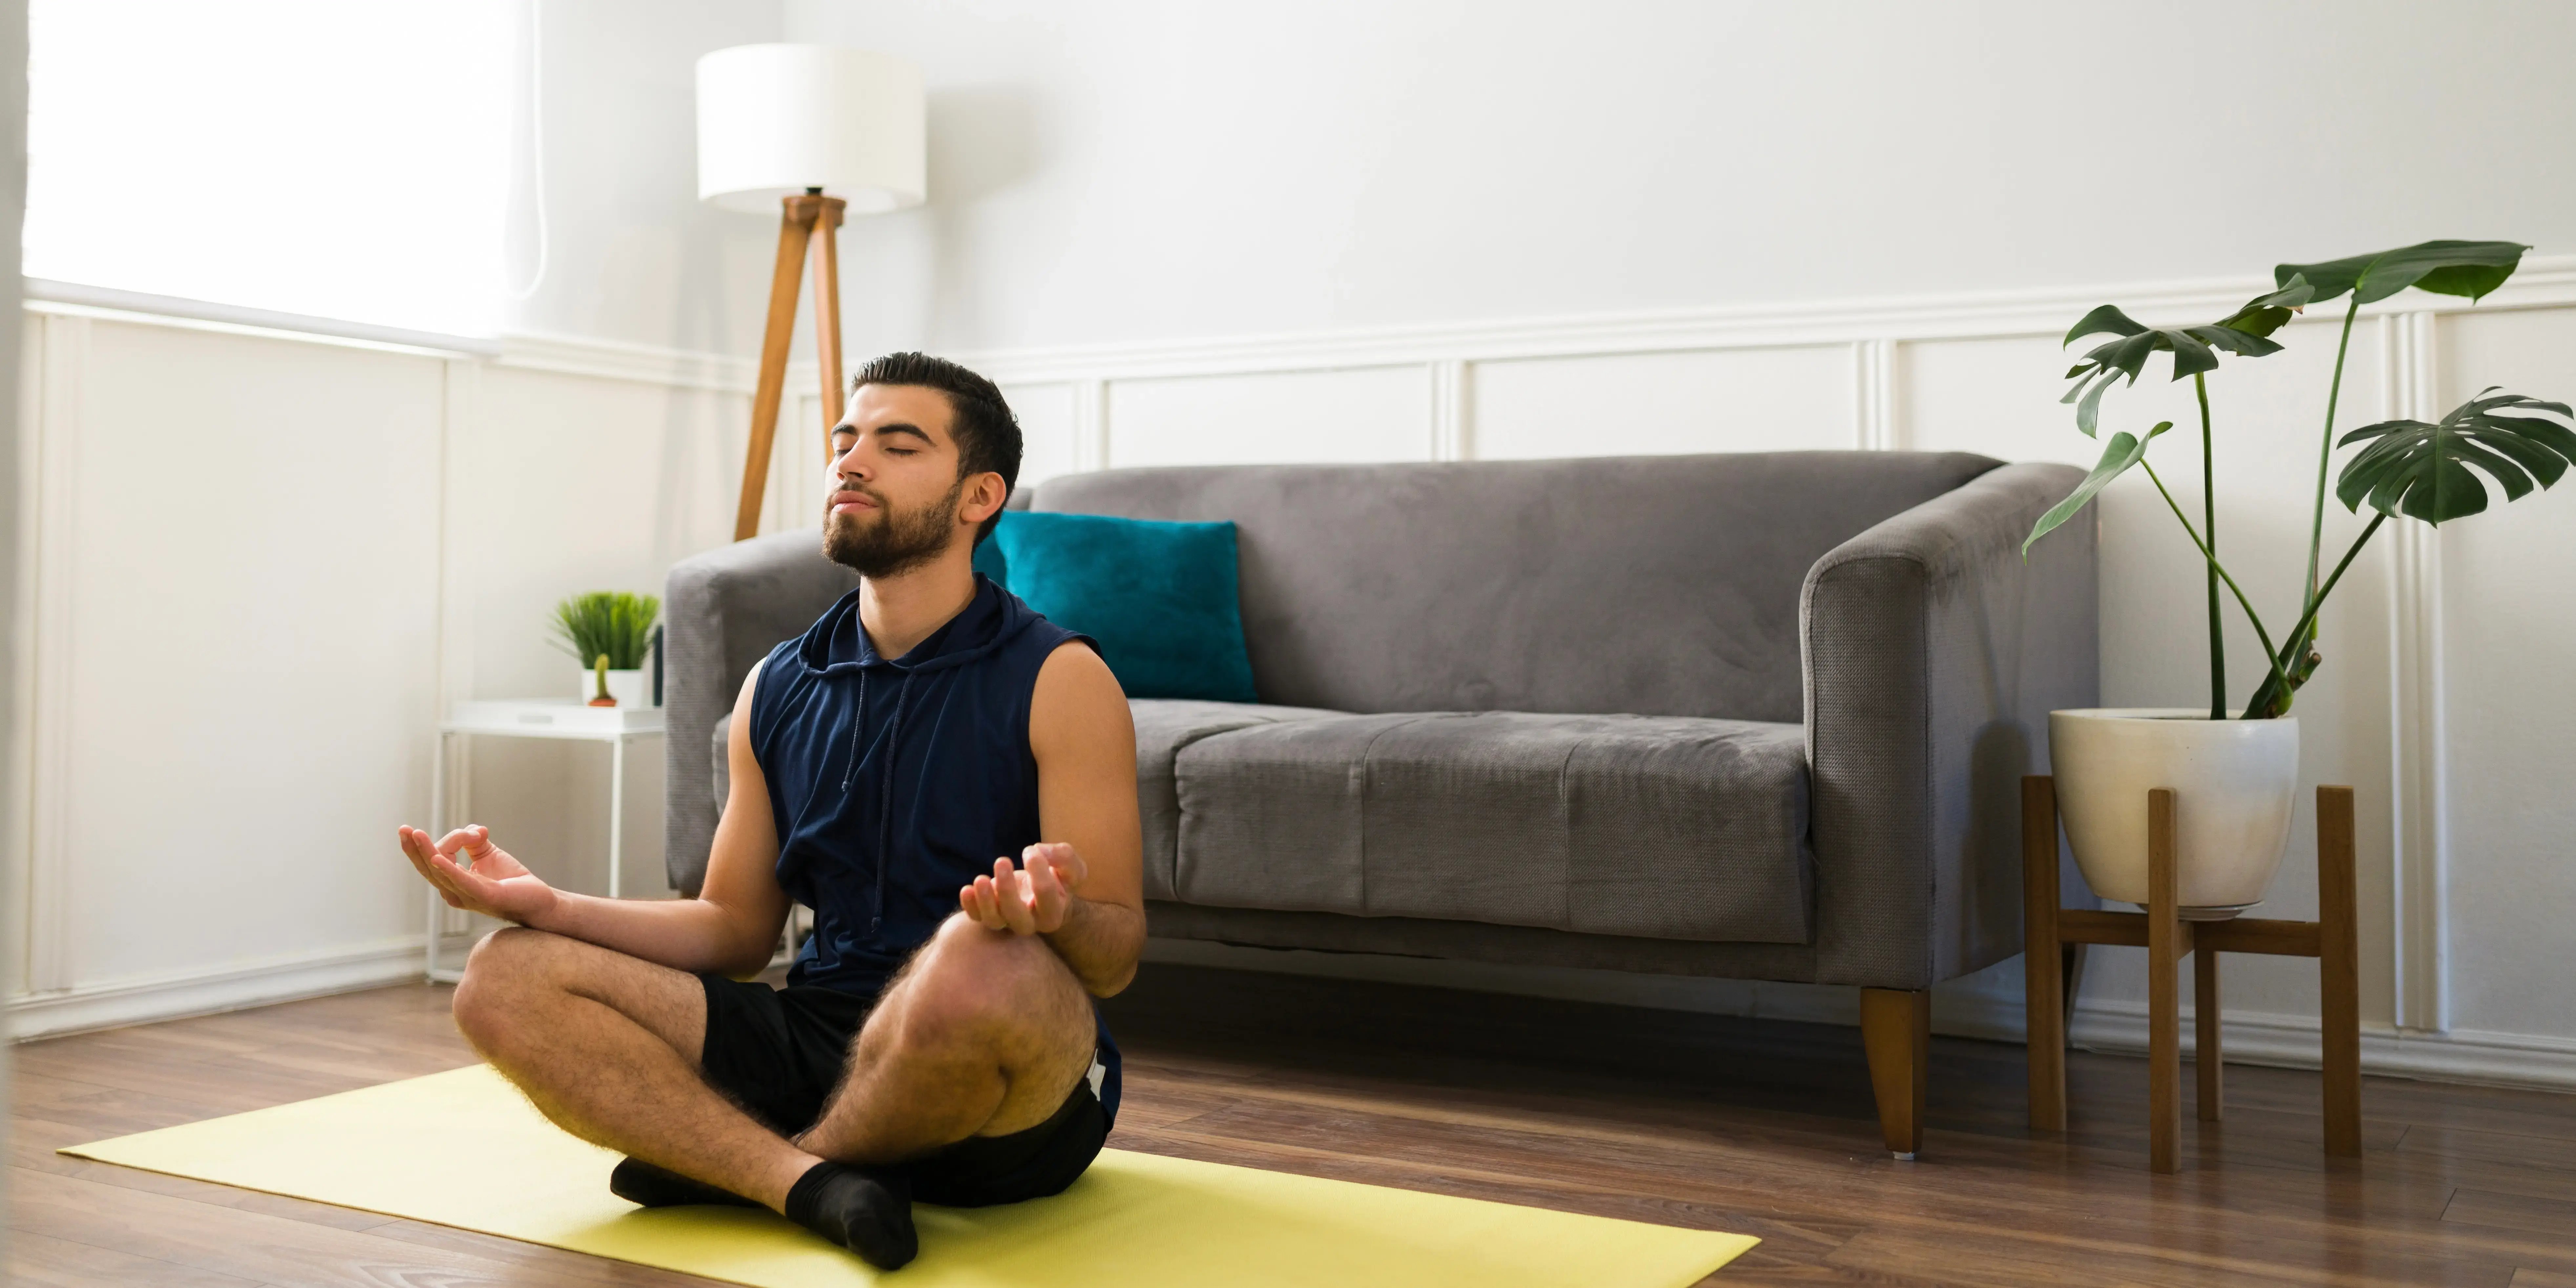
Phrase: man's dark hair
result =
(987, 434)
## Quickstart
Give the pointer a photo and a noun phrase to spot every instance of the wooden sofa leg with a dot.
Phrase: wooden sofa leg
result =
(1896, 1032)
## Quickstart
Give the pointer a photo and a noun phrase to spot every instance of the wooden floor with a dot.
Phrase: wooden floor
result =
(1763, 1127)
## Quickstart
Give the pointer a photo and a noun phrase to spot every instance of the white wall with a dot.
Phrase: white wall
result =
(632, 256)
(1428, 231)
(259, 559)
(1149, 169)
(1439, 231)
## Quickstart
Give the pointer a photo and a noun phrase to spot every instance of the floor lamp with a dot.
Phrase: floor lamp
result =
(812, 132)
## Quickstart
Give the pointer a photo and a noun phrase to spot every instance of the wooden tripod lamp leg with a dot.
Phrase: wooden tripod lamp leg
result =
(827, 315)
(795, 226)
(2164, 1001)
(2042, 977)
(2339, 971)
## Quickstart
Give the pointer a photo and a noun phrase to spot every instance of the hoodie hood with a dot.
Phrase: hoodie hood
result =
(837, 643)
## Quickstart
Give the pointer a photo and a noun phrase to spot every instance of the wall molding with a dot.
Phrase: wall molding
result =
(1874, 389)
(74, 299)
(2418, 736)
(2291, 1042)
(1877, 331)
(63, 350)
(1453, 425)
(173, 995)
(2545, 281)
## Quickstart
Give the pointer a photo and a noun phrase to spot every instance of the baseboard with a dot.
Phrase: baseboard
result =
(142, 999)
(2290, 1042)
(1968, 1008)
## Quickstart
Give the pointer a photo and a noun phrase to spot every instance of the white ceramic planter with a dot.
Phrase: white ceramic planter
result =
(2234, 783)
(630, 688)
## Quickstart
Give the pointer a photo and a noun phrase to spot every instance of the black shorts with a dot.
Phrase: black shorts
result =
(779, 1053)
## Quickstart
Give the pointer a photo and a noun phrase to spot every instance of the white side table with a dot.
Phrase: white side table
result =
(538, 718)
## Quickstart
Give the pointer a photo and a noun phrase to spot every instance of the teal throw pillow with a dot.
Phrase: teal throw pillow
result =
(1159, 597)
(988, 555)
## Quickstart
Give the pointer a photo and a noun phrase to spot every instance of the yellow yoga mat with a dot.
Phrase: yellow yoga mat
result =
(463, 1148)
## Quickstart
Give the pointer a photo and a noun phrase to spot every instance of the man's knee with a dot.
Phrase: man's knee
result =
(501, 973)
(980, 985)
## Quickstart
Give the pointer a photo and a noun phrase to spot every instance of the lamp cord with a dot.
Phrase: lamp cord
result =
(537, 138)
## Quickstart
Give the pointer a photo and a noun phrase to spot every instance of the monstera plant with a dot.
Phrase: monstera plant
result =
(2409, 468)
(2243, 774)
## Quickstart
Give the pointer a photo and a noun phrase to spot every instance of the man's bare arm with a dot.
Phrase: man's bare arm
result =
(1083, 887)
(1101, 942)
(730, 927)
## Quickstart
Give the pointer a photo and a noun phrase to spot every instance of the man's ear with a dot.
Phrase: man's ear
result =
(985, 495)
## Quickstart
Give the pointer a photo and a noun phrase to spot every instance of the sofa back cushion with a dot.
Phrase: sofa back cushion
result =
(1649, 585)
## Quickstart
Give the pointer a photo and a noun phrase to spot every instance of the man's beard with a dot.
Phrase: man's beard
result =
(896, 542)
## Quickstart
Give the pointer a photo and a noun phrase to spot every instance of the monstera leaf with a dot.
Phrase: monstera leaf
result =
(2118, 456)
(2193, 347)
(2470, 268)
(2264, 314)
(2422, 471)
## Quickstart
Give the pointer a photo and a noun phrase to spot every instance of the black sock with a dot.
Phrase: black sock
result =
(867, 1211)
(637, 1181)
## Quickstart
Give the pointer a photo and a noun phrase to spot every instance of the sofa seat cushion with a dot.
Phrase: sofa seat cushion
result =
(1163, 727)
(1661, 826)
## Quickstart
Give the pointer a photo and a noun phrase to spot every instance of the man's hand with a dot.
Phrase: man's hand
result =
(493, 883)
(1030, 900)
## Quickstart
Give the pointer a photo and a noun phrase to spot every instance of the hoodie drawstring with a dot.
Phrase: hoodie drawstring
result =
(858, 726)
(885, 791)
(885, 797)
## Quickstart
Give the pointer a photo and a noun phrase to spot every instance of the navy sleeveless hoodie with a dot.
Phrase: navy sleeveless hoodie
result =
(893, 782)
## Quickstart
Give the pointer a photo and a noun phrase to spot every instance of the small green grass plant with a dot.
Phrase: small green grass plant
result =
(615, 624)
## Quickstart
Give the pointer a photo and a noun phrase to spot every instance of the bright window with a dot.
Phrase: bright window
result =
(339, 158)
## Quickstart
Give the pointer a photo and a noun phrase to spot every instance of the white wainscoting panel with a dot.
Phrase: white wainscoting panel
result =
(1366, 414)
(251, 630)
(1994, 395)
(2506, 622)
(1723, 400)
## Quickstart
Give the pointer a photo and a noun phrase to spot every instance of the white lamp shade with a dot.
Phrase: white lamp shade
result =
(775, 120)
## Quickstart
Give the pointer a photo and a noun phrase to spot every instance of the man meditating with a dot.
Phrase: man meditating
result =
(937, 1038)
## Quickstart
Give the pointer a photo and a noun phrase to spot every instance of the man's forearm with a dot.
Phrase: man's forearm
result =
(1100, 943)
(690, 935)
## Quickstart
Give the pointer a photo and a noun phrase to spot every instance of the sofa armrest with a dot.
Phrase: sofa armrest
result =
(1934, 654)
(722, 611)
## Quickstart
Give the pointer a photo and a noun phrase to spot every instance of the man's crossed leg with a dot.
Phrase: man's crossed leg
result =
(983, 1033)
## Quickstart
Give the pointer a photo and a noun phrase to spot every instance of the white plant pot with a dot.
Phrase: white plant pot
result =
(631, 688)
(2234, 784)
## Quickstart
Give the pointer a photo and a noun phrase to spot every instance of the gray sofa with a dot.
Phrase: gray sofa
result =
(1757, 716)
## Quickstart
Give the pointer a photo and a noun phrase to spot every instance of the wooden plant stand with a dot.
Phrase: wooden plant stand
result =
(2331, 939)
